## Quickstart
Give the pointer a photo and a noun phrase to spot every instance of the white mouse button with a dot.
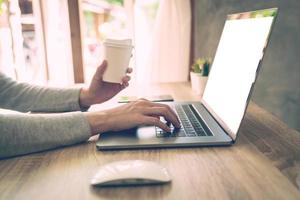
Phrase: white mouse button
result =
(131, 172)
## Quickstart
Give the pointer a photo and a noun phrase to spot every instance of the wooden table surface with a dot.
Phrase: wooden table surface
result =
(263, 164)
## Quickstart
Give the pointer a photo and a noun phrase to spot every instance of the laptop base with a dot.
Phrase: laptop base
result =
(145, 137)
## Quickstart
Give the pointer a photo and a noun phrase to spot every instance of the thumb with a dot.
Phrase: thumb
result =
(100, 70)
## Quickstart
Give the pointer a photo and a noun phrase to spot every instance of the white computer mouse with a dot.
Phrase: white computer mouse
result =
(131, 172)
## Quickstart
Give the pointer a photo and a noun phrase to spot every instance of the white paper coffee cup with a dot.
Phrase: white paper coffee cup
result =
(117, 53)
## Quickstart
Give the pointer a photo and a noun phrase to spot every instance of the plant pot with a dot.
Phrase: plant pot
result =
(198, 82)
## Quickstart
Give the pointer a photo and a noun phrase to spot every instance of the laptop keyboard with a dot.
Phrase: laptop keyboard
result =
(190, 125)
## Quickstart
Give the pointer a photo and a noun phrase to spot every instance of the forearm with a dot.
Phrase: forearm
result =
(24, 97)
(99, 122)
(26, 133)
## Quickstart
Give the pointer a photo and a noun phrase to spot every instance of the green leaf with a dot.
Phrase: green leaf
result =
(202, 66)
(116, 2)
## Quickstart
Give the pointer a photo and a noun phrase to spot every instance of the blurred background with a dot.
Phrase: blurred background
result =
(59, 42)
(278, 86)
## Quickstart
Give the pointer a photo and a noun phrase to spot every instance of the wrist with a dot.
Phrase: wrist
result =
(84, 98)
(98, 121)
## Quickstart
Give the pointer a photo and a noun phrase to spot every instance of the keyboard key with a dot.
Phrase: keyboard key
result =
(191, 126)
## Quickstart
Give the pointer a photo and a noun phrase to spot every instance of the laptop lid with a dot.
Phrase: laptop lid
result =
(235, 67)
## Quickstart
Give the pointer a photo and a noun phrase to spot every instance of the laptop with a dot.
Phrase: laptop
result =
(216, 118)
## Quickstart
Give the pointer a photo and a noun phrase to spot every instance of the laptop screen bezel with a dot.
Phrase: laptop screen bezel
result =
(237, 16)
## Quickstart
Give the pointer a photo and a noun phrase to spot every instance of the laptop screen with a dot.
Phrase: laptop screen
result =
(233, 72)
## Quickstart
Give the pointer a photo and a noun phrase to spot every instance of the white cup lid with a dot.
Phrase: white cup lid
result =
(116, 42)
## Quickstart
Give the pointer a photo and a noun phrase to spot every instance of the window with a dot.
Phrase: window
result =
(21, 42)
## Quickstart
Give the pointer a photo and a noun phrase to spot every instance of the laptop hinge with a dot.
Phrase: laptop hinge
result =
(204, 106)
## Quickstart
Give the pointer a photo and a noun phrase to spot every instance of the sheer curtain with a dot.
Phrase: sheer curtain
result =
(163, 55)
(6, 53)
(58, 42)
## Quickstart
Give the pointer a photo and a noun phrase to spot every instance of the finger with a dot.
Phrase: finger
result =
(156, 116)
(129, 70)
(153, 121)
(126, 79)
(100, 70)
(153, 104)
(168, 107)
(162, 111)
(124, 85)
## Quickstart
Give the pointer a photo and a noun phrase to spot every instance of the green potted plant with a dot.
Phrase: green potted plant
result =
(199, 74)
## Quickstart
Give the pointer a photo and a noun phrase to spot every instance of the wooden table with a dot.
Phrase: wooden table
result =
(263, 164)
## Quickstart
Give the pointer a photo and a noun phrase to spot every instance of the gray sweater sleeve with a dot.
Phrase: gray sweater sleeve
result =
(24, 97)
(23, 133)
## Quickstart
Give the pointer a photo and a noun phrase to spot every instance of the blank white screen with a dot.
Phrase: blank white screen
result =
(234, 68)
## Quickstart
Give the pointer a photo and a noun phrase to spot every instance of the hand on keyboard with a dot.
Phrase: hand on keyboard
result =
(134, 114)
(191, 126)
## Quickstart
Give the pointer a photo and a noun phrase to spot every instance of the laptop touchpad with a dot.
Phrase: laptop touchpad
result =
(146, 132)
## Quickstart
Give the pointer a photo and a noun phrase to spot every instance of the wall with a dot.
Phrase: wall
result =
(277, 88)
